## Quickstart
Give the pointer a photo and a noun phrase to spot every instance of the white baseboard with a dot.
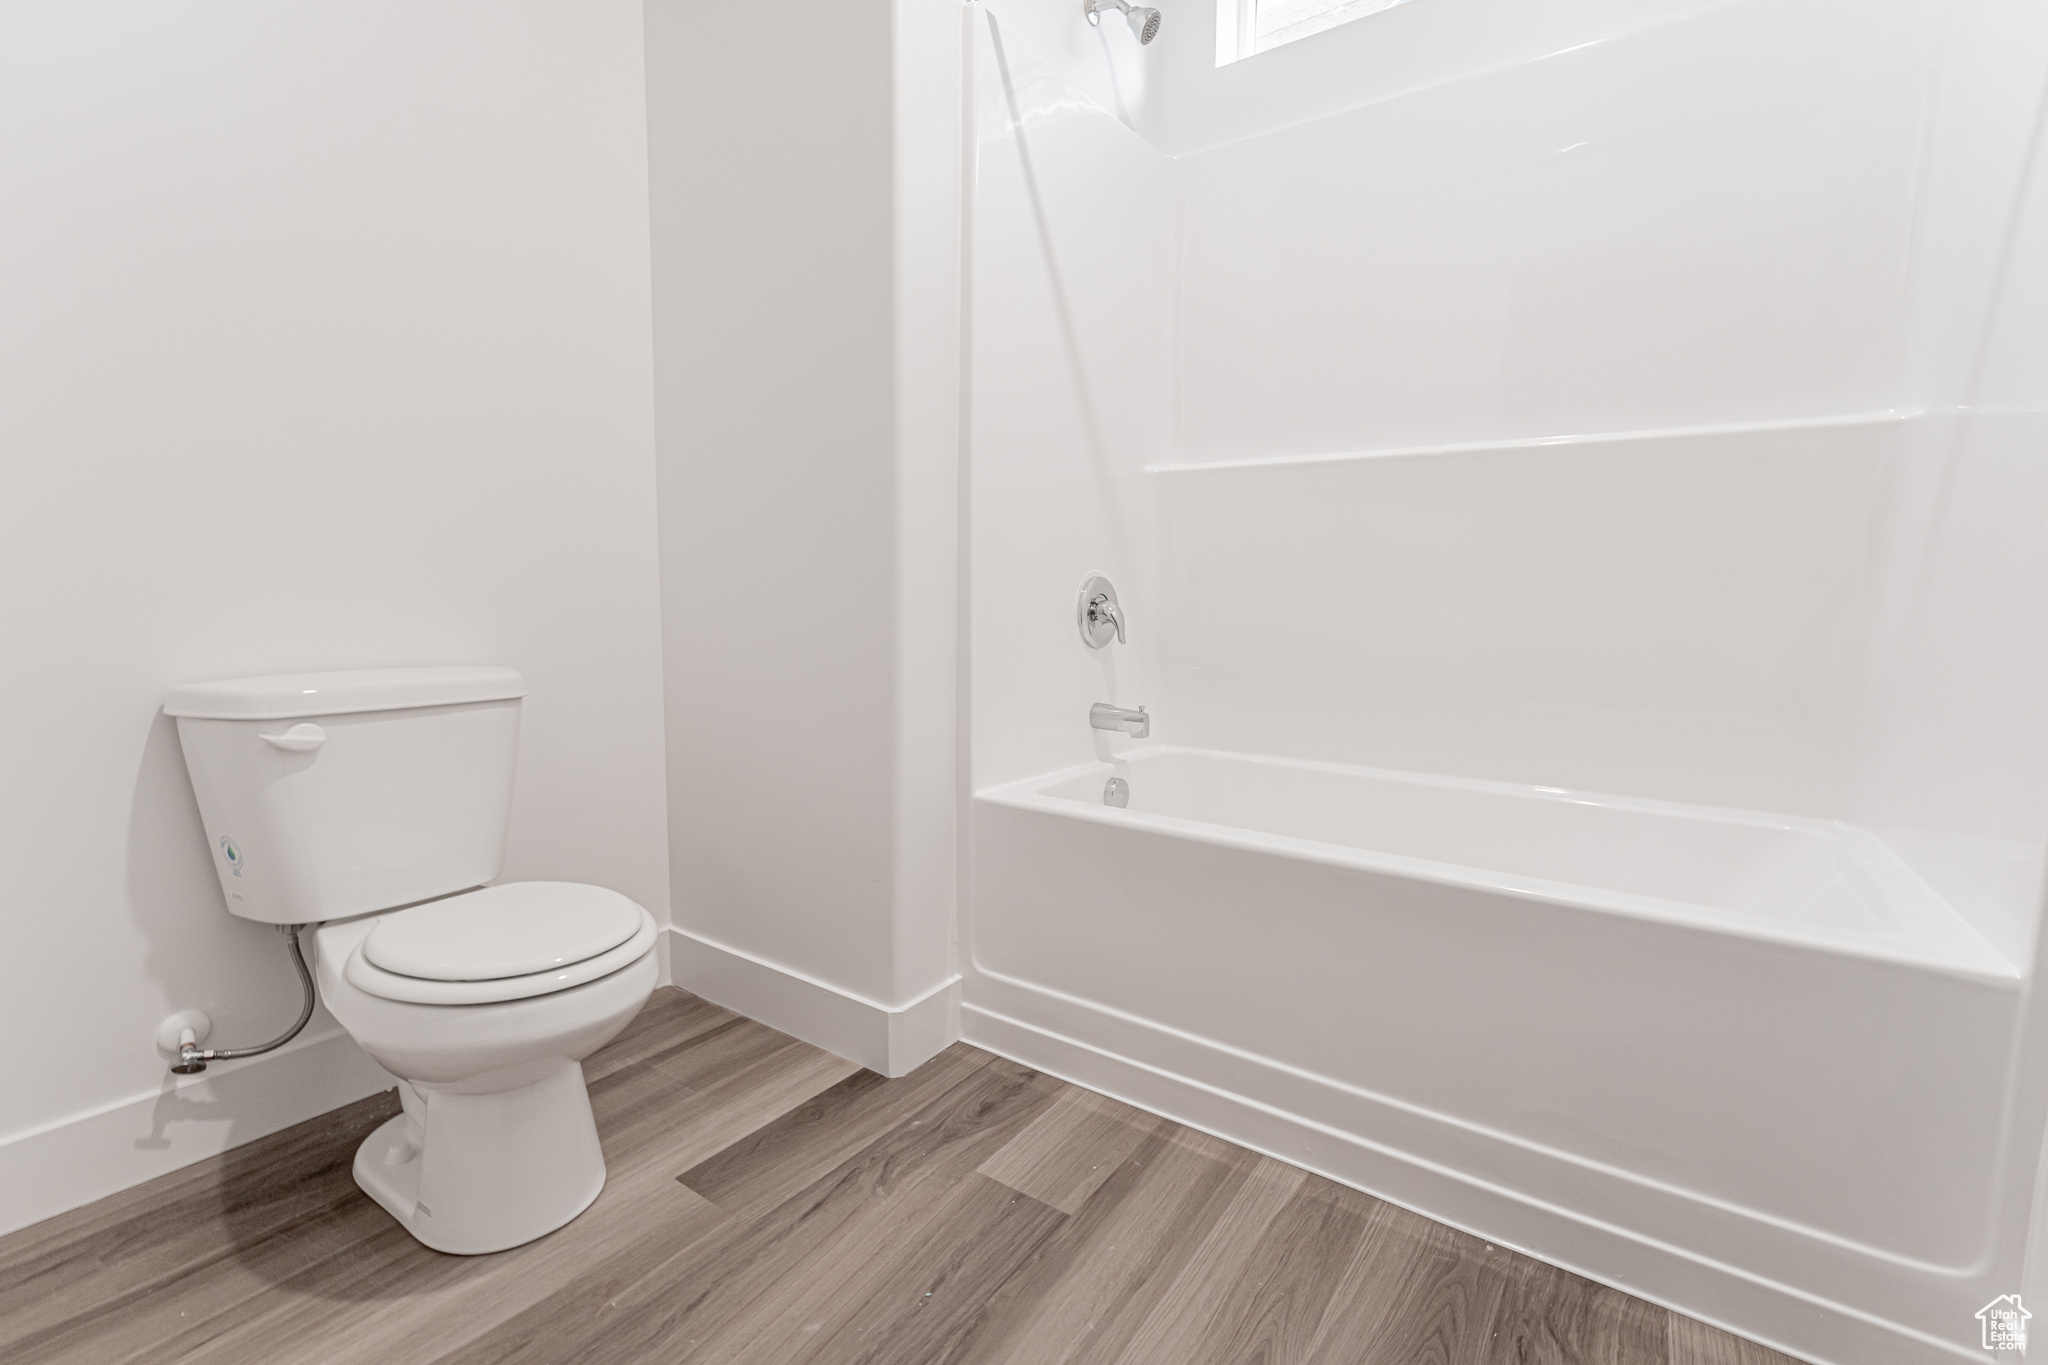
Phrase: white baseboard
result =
(890, 1039)
(61, 1166)
(1739, 1301)
(663, 958)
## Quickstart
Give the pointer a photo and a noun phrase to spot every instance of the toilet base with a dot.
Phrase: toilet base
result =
(474, 1173)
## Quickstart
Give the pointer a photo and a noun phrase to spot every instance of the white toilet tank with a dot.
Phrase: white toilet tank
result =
(326, 795)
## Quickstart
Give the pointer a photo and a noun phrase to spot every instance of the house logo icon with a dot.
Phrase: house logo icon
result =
(2005, 1323)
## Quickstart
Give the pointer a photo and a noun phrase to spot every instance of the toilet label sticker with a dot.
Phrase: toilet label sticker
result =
(229, 851)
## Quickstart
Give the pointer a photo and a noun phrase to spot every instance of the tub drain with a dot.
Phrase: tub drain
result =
(1116, 792)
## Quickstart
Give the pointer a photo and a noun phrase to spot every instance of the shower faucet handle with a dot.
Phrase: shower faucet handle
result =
(1101, 609)
(1101, 619)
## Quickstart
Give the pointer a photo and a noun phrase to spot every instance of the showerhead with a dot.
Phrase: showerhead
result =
(1144, 22)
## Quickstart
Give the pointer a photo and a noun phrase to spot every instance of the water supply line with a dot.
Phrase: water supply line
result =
(193, 1058)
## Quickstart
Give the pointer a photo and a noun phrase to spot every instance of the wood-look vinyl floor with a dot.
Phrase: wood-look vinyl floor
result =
(769, 1202)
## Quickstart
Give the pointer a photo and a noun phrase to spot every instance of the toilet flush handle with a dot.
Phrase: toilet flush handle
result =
(299, 739)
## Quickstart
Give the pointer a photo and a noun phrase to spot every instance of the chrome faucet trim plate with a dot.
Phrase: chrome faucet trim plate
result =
(1101, 619)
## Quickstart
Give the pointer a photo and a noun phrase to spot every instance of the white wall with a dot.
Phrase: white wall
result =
(806, 272)
(325, 335)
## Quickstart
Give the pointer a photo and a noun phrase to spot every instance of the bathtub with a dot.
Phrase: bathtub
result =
(1677, 1048)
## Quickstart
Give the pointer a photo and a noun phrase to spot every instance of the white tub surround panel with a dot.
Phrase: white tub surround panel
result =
(1072, 283)
(1698, 223)
(1677, 615)
(1954, 743)
(1104, 62)
(1196, 104)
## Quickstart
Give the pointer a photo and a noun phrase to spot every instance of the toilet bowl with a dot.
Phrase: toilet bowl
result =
(373, 803)
(496, 1145)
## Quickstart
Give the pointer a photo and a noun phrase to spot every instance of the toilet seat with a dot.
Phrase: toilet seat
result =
(512, 930)
(501, 943)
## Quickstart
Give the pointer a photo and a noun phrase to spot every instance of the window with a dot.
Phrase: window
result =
(1248, 26)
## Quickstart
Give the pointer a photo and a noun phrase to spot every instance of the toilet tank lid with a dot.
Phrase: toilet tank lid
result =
(283, 696)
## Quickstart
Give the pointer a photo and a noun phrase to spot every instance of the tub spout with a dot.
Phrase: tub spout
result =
(1136, 723)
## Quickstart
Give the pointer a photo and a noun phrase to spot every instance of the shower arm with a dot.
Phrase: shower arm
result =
(193, 1058)
(1144, 22)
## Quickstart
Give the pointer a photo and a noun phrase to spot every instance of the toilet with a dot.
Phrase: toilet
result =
(373, 804)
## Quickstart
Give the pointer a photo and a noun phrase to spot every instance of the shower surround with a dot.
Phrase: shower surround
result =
(1584, 536)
